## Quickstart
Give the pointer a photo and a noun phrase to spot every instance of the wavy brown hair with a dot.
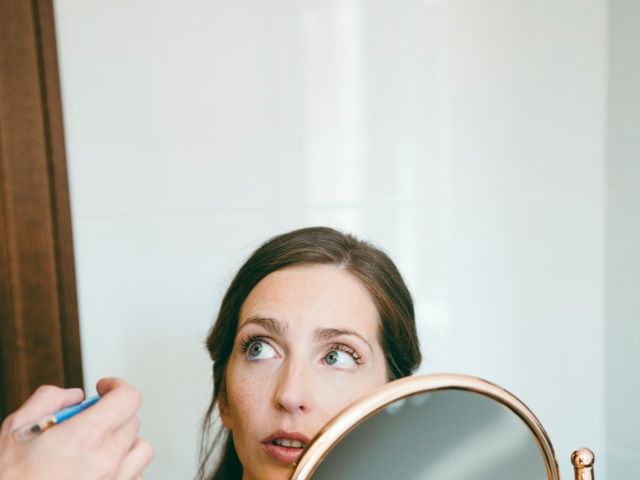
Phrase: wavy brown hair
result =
(307, 246)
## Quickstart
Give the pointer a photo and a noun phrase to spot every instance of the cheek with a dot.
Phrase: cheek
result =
(334, 391)
(246, 394)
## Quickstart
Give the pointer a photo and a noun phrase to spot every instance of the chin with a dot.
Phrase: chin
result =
(269, 472)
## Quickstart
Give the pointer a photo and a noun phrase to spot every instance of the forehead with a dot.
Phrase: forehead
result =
(313, 296)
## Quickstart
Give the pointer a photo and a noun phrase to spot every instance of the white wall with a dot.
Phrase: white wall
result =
(623, 241)
(467, 138)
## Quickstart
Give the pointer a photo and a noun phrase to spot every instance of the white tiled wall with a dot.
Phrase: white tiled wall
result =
(469, 139)
(623, 241)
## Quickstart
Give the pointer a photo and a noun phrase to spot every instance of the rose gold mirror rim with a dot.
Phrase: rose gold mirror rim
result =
(355, 414)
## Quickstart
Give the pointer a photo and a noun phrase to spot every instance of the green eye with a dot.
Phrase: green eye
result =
(255, 349)
(331, 358)
(338, 358)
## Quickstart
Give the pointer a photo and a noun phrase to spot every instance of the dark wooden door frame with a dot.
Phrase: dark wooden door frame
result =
(39, 332)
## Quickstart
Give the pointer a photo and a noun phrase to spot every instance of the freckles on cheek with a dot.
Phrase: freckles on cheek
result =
(342, 390)
(248, 386)
(246, 383)
(246, 399)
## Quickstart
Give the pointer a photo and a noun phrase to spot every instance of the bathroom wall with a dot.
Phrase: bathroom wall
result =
(467, 138)
(623, 239)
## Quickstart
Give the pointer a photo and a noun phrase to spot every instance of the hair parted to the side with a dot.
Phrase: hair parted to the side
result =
(306, 246)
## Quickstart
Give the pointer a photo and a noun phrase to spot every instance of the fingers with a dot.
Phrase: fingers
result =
(125, 436)
(111, 423)
(105, 385)
(119, 402)
(44, 401)
(138, 458)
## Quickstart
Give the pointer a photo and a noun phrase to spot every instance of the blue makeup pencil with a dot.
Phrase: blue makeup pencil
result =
(30, 430)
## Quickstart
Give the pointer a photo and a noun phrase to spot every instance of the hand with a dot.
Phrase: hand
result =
(100, 443)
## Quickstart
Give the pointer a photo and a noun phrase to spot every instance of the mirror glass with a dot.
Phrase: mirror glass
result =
(443, 435)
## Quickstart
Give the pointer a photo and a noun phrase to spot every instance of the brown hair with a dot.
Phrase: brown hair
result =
(308, 246)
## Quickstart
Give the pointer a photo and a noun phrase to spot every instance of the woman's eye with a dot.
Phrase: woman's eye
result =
(339, 359)
(260, 350)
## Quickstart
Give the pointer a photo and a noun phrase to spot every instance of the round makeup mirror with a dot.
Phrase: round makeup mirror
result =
(442, 427)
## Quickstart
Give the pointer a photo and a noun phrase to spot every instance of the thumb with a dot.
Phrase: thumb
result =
(44, 401)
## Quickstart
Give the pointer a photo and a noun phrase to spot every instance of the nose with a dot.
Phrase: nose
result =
(292, 393)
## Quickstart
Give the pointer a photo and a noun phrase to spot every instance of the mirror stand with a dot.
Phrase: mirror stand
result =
(582, 460)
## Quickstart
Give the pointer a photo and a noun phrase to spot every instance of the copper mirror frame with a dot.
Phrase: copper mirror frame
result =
(382, 397)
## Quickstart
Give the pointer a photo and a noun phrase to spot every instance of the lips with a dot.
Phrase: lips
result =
(285, 447)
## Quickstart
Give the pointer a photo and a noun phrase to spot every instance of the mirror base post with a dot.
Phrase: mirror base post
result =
(582, 460)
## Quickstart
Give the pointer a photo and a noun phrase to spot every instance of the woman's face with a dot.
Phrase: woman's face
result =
(306, 347)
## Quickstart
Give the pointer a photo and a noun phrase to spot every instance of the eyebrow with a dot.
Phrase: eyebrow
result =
(271, 325)
(328, 333)
(276, 327)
